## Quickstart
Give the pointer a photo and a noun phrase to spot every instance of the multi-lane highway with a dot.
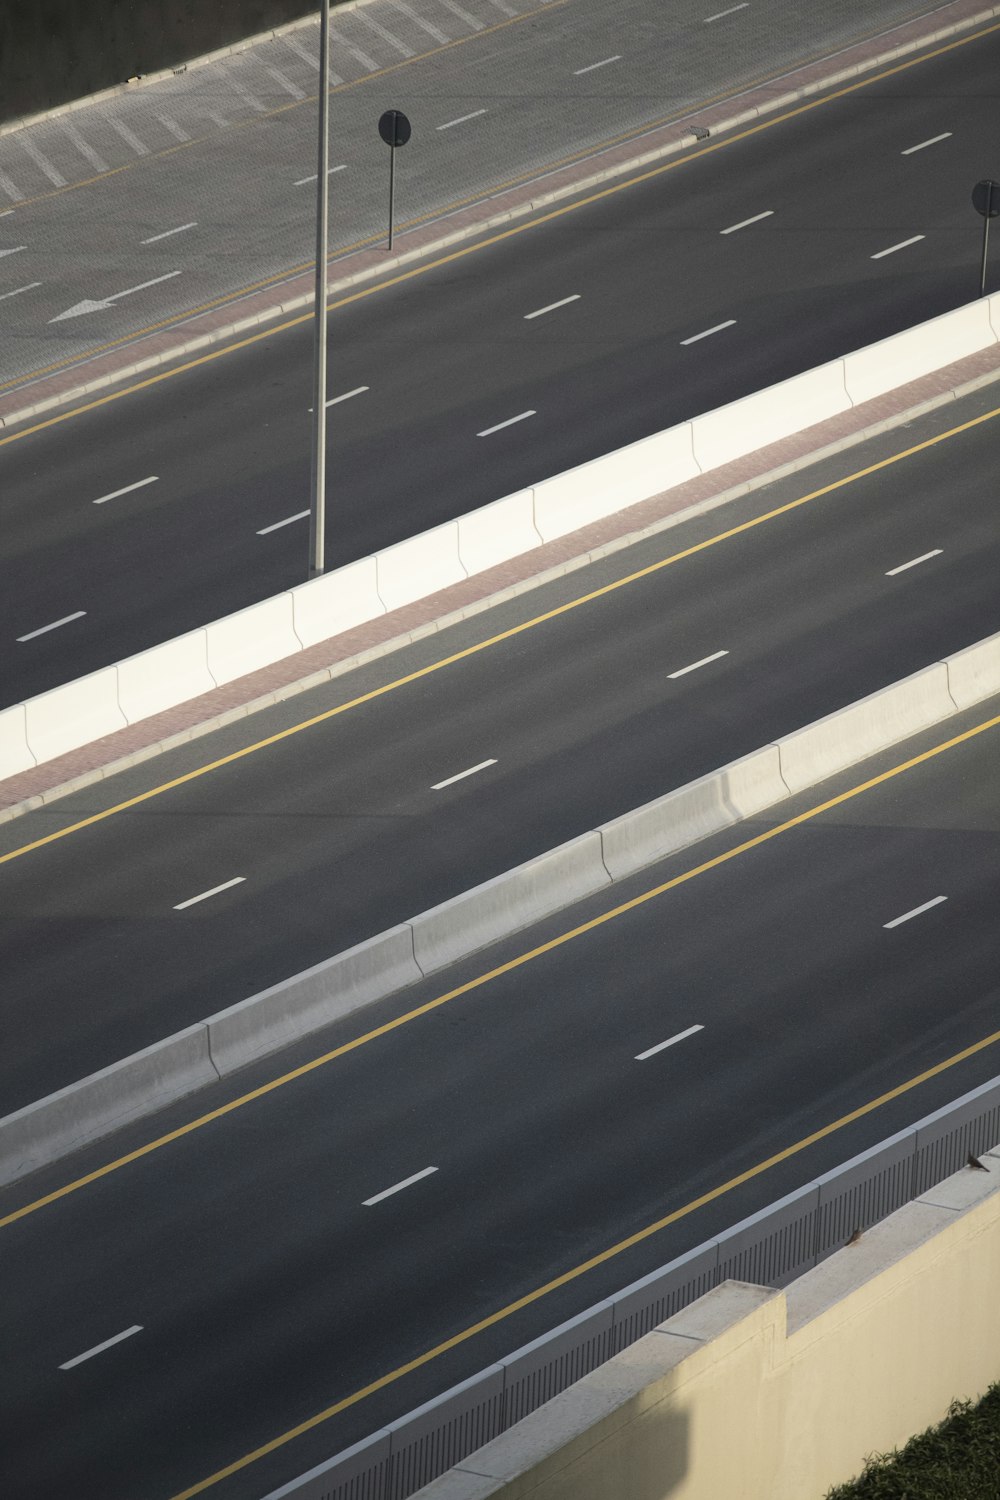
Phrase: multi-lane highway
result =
(131, 211)
(166, 1319)
(749, 260)
(134, 926)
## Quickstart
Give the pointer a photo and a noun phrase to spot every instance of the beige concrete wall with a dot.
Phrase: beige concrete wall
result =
(756, 1394)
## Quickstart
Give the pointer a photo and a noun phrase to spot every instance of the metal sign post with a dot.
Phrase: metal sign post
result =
(986, 201)
(394, 128)
(317, 498)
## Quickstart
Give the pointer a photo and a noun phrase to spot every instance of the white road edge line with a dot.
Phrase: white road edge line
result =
(226, 885)
(730, 12)
(683, 671)
(539, 311)
(891, 250)
(439, 786)
(461, 120)
(486, 432)
(330, 171)
(578, 72)
(398, 1187)
(100, 1348)
(651, 1051)
(946, 136)
(729, 323)
(299, 515)
(926, 556)
(44, 629)
(127, 490)
(916, 912)
(168, 232)
(767, 214)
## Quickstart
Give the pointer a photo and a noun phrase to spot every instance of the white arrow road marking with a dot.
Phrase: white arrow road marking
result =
(88, 306)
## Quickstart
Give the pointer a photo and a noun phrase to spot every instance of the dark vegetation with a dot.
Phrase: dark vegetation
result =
(52, 51)
(957, 1460)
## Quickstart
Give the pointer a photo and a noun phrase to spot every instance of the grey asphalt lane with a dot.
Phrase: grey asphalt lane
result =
(337, 832)
(267, 1274)
(192, 188)
(452, 354)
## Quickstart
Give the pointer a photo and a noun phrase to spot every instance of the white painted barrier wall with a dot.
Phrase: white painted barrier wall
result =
(80, 712)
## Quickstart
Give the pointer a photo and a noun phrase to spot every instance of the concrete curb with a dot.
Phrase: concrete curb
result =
(84, 1112)
(296, 293)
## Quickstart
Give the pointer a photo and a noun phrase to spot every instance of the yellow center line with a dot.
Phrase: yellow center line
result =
(602, 1258)
(618, 1248)
(472, 249)
(508, 967)
(494, 640)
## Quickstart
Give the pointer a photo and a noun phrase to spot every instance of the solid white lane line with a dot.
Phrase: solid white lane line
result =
(461, 120)
(18, 290)
(901, 246)
(408, 10)
(284, 82)
(578, 72)
(11, 189)
(916, 912)
(729, 323)
(301, 181)
(127, 489)
(683, 671)
(168, 232)
(100, 1348)
(509, 423)
(172, 126)
(730, 12)
(15, 249)
(44, 629)
(651, 1051)
(463, 15)
(398, 1187)
(6, 213)
(362, 57)
(540, 311)
(925, 557)
(225, 886)
(946, 136)
(86, 151)
(300, 515)
(439, 786)
(767, 214)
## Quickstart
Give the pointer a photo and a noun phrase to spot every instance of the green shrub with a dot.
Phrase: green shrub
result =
(957, 1460)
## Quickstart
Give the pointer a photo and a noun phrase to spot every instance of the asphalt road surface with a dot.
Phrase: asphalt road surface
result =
(754, 260)
(358, 822)
(128, 212)
(166, 1319)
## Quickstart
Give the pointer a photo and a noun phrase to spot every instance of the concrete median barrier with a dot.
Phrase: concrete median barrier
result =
(510, 901)
(767, 416)
(338, 601)
(495, 533)
(703, 807)
(342, 984)
(75, 714)
(15, 755)
(607, 485)
(974, 674)
(419, 566)
(62, 1122)
(863, 728)
(252, 638)
(881, 367)
(164, 676)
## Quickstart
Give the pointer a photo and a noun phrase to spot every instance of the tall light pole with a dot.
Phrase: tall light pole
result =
(317, 503)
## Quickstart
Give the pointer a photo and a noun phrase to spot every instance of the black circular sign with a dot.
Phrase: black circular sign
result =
(394, 128)
(986, 198)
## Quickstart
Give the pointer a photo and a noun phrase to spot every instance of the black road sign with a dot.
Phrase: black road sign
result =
(394, 128)
(986, 198)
